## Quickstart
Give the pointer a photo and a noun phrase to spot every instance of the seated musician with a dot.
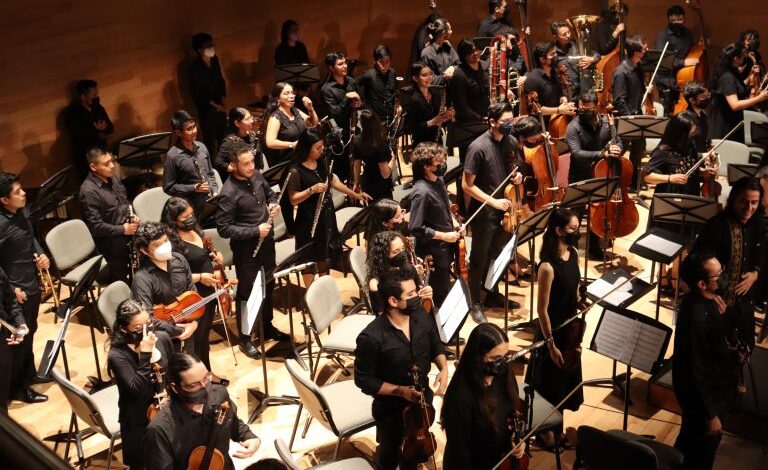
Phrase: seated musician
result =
(568, 55)
(104, 204)
(425, 111)
(387, 349)
(290, 50)
(673, 157)
(133, 352)
(680, 42)
(544, 80)
(482, 404)
(182, 429)
(386, 214)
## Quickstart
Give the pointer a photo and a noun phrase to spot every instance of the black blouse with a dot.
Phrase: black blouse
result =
(723, 118)
(419, 110)
(372, 181)
(291, 128)
(666, 161)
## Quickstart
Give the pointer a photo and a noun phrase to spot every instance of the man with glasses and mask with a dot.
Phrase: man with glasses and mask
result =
(189, 420)
(88, 124)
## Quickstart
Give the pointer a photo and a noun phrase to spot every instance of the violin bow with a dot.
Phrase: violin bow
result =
(655, 71)
(713, 150)
(490, 196)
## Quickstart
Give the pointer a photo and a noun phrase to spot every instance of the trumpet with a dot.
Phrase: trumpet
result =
(47, 281)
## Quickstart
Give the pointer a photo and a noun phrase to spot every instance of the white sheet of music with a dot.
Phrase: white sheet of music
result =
(659, 245)
(600, 287)
(452, 312)
(254, 303)
(499, 265)
(629, 341)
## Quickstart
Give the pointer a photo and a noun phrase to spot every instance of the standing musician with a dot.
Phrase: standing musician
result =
(543, 80)
(468, 89)
(187, 423)
(11, 313)
(482, 404)
(703, 364)
(497, 20)
(731, 94)
(674, 156)
(186, 238)
(308, 183)
(698, 98)
(386, 214)
(750, 41)
(341, 96)
(208, 89)
(425, 111)
(21, 256)
(241, 129)
(431, 222)
(379, 84)
(285, 123)
(439, 55)
(290, 50)
(88, 124)
(133, 352)
(736, 236)
(608, 30)
(402, 338)
(188, 171)
(568, 55)
(515, 59)
(680, 42)
(373, 157)
(559, 278)
(490, 158)
(104, 204)
(245, 204)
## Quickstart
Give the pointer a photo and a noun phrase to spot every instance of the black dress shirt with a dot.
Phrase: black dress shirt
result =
(379, 91)
(419, 110)
(628, 88)
(372, 181)
(287, 55)
(384, 354)
(491, 26)
(439, 58)
(468, 90)
(180, 174)
(679, 42)
(177, 430)
(335, 97)
(152, 285)
(83, 134)
(666, 161)
(104, 205)
(207, 84)
(723, 118)
(430, 210)
(221, 162)
(243, 205)
(490, 161)
(548, 88)
(17, 247)
(10, 310)
(701, 137)
(586, 143)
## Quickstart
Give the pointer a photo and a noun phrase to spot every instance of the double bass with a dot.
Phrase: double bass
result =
(700, 70)
(608, 63)
(545, 161)
(525, 49)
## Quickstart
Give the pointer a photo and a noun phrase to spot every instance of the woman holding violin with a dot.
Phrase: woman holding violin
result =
(674, 156)
(482, 409)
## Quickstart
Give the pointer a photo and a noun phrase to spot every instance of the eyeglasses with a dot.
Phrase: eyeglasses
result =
(199, 384)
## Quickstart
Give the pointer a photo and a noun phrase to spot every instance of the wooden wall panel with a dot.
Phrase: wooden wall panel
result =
(138, 51)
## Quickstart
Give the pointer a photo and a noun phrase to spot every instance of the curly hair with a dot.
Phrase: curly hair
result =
(172, 209)
(423, 155)
(377, 262)
(126, 310)
(147, 233)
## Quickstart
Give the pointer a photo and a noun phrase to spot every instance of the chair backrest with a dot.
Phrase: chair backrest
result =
(309, 393)
(338, 198)
(357, 259)
(279, 226)
(82, 404)
(323, 302)
(285, 454)
(110, 298)
(730, 152)
(217, 178)
(221, 244)
(600, 450)
(750, 117)
(149, 204)
(658, 108)
(70, 243)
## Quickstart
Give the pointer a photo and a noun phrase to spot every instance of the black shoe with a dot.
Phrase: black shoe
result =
(30, 396)
(277, 335)
(476, 312)
(496, 300)
(250, 349)
(42, 380)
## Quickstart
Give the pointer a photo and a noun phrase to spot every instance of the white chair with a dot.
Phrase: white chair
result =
(110, 298)
(730, 152)
(217, 178)
(355, 463)
(357, 260)
(279, 227)
(324, 304)
(749, 117)
(658, 109)
(71, 246)
(344, 215)
(341, 407)
(221, 244)
(149, 204)
(99, 411)
(339, 199)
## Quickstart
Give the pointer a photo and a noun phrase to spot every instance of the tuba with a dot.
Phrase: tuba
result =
(500, 77)
(583, 27)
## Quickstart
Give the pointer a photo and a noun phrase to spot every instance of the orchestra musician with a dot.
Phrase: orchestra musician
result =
(342, 99)
(187, 422)
(133, 350)
(187, 171)
(701, 370)
(425, 111)
(241, 129)
(680, 42)
(245, 204)
(497, 21)
(698, 98)
(402, 338)
(608, 30)
(674, 156)
(379, 85)
(373, 157)
(468, 89)
(285, 123)
(568, 55)
(21, 256)
(439, 54)
(208, 89)
(104, 205)
(750, 41)
(490, 158)
(544, 80)
(481, 404)
(386, 214)
(290, 50)
(10, 312)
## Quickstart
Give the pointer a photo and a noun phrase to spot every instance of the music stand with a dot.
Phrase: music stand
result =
(759, 133)
(53, 193)
(462, 134)
(737, 171)
(641, 127)
(275, 175)
(355, 225)
(297, 74)
(452, 314)
(651, 57)
(143, 151)
(580, 195)
(632, 339)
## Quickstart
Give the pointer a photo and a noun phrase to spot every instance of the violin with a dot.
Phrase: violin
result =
(189, 306)
(711, 188)
(208, 457)
(225, 299)
(545, 161)
(558, 124)
(618, 216)
(570, 335)
(156, 377)
(519, 210)
(461, 249)
(509, 463)
(419, 443)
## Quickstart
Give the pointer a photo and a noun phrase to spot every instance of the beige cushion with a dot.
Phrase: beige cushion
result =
(343, 336)
(106, 400)
(350, 407)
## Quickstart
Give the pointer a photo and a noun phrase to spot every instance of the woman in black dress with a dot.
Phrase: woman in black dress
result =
(558, 298)
(285, 123)
(134, 346)
(371, 153)
(674, 156)
(290, 50)
(482, 404)
(731, 95)
(241, 129)
(422, 111)
(309, 174)
(186, 237)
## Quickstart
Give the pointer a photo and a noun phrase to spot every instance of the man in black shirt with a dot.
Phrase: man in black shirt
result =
(702, 369)
(576, 65)
(544, 80)
(608, 31)
(680, 42)
(10, 312)
(496, 22)
(88, 124)
(490, 158)
(189, 420)
(104, 204)
(246, 204)
(401, 338)
(20, 257)
(188, 171)
(208, 91)
(698, 97)
(379, 85)
(340, 96)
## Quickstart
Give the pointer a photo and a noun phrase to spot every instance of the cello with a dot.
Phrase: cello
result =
(700, 70)
(545, 161)
(558, 124)
(617, 216)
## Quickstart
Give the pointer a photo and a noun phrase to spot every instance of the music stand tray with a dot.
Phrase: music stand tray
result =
(143, 151)
(737, 171)
(641, 126)
(297, 74)
(53, 193)
(667, 66)
(683, 209)
(659, 245)
(637, 289)
(759, 132)
(581, 193)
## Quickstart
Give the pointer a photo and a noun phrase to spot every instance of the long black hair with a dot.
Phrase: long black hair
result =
(742, 185)
(677, 134)
(377, 261)
(307, 139)
(286, 29)
(559, 219)
(730, 52)
(126, 310)
(372, 135)
(383, 210)
(236, 114)
(172, 209)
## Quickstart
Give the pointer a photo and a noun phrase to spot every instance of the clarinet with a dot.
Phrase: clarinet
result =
(133, 259)
(202, 178)
(320, 200)
(271, 219)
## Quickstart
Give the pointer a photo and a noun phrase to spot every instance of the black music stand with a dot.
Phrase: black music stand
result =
(759, 134)
(499, 266)
(355, 225)
(143, 151)
(640, 127)
(297, 74)
(632, 339)
(56, 191)
(737, 171)
(275, 175)
(651, 58)
(580, 195)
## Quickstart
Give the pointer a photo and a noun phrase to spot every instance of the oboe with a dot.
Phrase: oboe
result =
(271, 219)
(202, 178)
(320, 200)
(133, 259)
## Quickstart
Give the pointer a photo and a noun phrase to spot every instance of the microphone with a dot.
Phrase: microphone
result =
(293, 269)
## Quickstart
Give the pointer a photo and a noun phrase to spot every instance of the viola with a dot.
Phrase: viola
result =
(461, 249)
(519, 210)
(208, 457)
(545, 162)
(156, 377)
(558, 124)
(419, 444)
(225, 299)
(189, 306)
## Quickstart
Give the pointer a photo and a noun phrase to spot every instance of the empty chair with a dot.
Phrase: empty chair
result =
(149, 204)
(755, 149)
(730, 152)
(357, 259)
(341, 407)
(601, 450)
(339, 199)
(71, 244)
(99, 411)
(344, 215)
(110, 298)
(355, 463)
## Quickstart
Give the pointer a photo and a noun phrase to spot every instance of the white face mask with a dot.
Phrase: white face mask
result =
(163, 252)
(209, 52)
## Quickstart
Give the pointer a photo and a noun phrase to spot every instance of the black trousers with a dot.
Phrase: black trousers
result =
(636, 152)
(199, 339)
(213, 124)
(117, 256)
(443, 254)
(694, 441)
(132, 437)
(390, 431)
(247, 267)
(739, 319)
(488, 239)
(23, 365)
(6, 361)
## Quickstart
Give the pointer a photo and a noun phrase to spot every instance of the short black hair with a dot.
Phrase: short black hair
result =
(147, 233)
(693, 89)
(497, 109)
(391, 285)
(180, 118)
(692, 270)
(635, 44)
(557, 25)
(493, 5)
(540, 51)
(332, 57)
(7, 180)
(588, 96)
(465, 48)
(239, 147)
(94, 153)
(179, 362)
(201, 39)
(527, 127)
(675, 10)
(84, 86)
(381, 51)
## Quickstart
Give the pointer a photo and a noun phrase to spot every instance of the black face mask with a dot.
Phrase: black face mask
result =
(198, 397)
(754, 45)
(676, 28)
(188, 224)
(441, 170)
(587, 116)
(412, 305)
(514, 51)
(399, 260)
(572, 239)
(133, 337)
(95, 101)
(704, 104)
(496, 368)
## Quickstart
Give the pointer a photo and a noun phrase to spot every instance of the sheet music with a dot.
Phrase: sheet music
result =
(601, 287)
(499, 265)
(629, 341)
(452, 312)
(254, 304)
(660, 245)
